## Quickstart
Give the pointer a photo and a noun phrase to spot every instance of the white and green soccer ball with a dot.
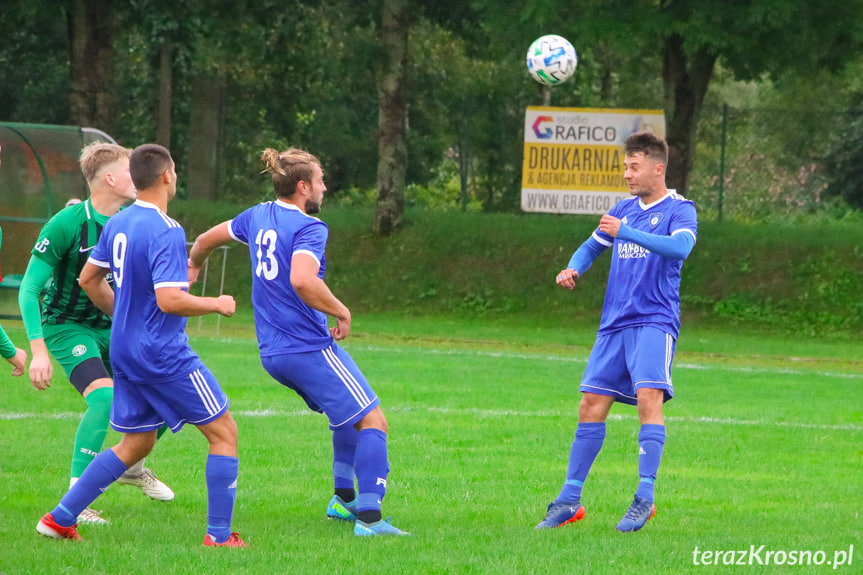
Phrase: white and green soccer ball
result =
(551, 60)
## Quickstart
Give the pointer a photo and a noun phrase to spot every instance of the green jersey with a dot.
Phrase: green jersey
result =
(65, 243)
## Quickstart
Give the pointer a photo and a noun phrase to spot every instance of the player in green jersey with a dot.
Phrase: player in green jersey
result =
(70, 326)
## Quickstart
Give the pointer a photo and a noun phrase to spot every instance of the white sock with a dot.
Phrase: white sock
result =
(135, 470)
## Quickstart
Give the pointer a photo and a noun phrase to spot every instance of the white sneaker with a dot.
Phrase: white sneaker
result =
(92, 517)
(149, 484)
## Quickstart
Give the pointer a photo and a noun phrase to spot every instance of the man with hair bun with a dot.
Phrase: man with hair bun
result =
(291, 304)
(71, 327)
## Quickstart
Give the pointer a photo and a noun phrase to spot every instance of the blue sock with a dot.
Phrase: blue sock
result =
(221, 474)
(372, 469)
(101, 473)
(344, 451)
(585, 447)
(651, 440)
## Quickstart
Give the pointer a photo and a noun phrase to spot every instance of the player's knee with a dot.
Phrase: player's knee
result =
(650, 406)
(594, 407)
(222, 432)
(134, 447)
(99, 403)
(90, 374)
(374, 419)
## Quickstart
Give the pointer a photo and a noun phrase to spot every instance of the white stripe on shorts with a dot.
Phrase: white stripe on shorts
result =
(204, 391)
(669, 342)
(347, 378)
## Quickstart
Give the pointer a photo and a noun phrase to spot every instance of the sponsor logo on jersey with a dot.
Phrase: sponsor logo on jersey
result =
(85, 250)
(624, 220)
(79, 350)
(629, 250)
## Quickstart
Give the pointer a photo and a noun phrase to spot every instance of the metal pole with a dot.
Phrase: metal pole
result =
(222, 285)
(203, 288)
(462, 169)
(722, 159)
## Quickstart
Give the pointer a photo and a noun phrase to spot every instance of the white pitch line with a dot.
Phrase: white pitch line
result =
(491, 413)
(583, 360)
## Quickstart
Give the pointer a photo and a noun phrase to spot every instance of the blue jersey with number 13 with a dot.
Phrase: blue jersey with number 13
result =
(275, 232)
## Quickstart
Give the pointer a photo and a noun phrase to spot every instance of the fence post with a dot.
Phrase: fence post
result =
(722, 159)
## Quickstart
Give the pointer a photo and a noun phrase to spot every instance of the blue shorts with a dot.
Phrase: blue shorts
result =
(194, 398)
(622, 362)
(328, 380)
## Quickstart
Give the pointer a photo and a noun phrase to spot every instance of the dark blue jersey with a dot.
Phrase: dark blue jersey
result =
(275, 232)
(145, 250)
(643, 287)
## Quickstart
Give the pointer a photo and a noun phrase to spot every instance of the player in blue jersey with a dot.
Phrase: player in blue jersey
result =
(650, 235)
(291, 303)
(158, 379)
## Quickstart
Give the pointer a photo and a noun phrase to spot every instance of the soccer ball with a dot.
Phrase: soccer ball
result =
(551, 60)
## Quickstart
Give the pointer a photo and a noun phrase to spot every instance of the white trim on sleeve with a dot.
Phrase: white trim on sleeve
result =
(604, 242)
(171, 284)
(687, 230)
(233, 235)
(307, 252)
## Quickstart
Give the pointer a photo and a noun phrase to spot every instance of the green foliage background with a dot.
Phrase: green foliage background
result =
(797, 277)
(303, 73)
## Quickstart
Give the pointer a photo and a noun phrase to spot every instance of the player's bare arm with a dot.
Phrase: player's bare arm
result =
(610, 225)
(18, 362)
(92, 281)
(204, 245)
(315, 293)
(175, 301)
(567, 278)
(41, 369)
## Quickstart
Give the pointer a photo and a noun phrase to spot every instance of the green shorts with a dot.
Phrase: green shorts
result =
(72, 343)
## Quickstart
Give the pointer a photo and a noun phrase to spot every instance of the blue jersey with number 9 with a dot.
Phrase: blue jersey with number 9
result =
(275, 232)
(145, 250)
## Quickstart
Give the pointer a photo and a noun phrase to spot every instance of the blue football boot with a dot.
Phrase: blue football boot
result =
(562, 512)
(637, 515)
(341, 511)
(382, 527)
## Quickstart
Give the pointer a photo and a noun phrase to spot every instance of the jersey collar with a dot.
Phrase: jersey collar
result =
(654, 204)
(144, 204)
(93, 213)
(288, 206)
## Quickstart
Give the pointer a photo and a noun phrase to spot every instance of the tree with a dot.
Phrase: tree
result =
(34, 68)
(845, 161)
(752, 39)
(91, 63)
(392, 150)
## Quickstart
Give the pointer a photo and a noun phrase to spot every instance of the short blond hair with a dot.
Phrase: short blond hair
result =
(95, 156)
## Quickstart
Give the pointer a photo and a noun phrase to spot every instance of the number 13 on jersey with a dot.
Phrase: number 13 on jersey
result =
(267, 263)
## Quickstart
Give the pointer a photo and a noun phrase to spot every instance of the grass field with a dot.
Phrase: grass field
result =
(765, 447)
